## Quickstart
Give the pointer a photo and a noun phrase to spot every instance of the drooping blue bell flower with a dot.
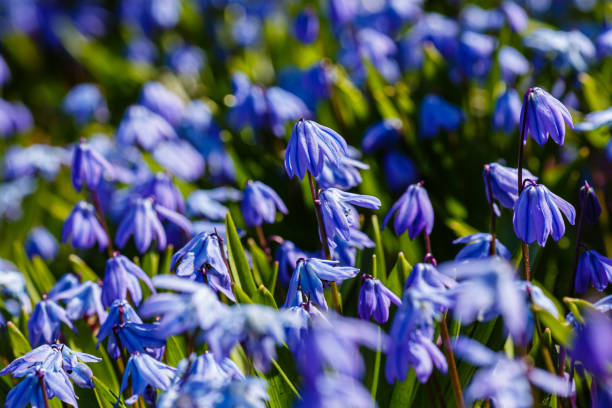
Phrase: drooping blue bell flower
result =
(375, 300)
(36, 159)
(595, 120)
(13, 290)
(306, 26)
(287, 256)
(66, 282)
(413, 212)
(282, 108)
(260, 204)
(143, 220)
(373, 46)
(181, 159)
(382, 135)
(12, 194)
(140, 126)
(140, 50)
(345, 176)
(45, 322)
(342, 11)
(503, 181)
(82, 300)
(145, 371)
(310, 144)
(507, 111)
(589, 203)
(537, 214)
(515, 15)
(400, 170)
(14, 118)
(345, 251)
(186, 60)
(85, 102)
(197, 124)
(437, 114)
(120, 277)
(474, 18)
(590, 346)
(119, 313)
(511, 63)
(207, 203)
(543, 116)
(604, 43)
(40, 242)
(474, 54)
(478, 246)
(163, 190)
(83, 228)
(593, 267)
(569, 50)
(160, 100)
(88, 167)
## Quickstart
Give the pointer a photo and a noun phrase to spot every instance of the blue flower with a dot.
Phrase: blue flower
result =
(478, 247)
(595, 120)
(179, 157)
(345, 251)
(260, 203)
(335, 390)
(66, 282)
(414, 212)
(201, 260)
(145, 371)
(197, 124)
(478, 19)
(474, 58)
(308, 276)
(400, 170)
(186, 60)
(287, 256)
(382, 135)
(537, 214)
(310, 144)
(14, 118)
(143, 221)
(431, 28)
(207, 203)
(589, 203)
(120, 277)
(436, 114)
(594, 267)
(512, 63)
(88, 167)
(140, 126)
(543, 116)
(507, 112)
(375, 300)
(45, 322)
(5, 72)
(83, 300)
(40, 242)
(119, 314)
(337, 211)
(36, 159)
(515, 15)
(85, 102)
(163, 190)
(342, 11)
(140, 50)
(591, 346)
(283, 106)
(345, 176)
(306, 26)
(503, 182)
(158, 99)
(83, 228)
(569, 50)
(13, 290)
(604, 43)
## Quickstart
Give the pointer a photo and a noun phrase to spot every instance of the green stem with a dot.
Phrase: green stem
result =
(487, 169)
(452, 367)
(525, 247)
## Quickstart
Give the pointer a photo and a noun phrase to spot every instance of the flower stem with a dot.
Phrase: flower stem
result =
(525, 246)
(487, 169)
(323, 235)
(577, 249)
(96, 200)
(427, 244)
(43, 388)
(452, 367)
(263, 242)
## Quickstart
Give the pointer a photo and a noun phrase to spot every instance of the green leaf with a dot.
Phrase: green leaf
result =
(405, 391)
(80, 267)
(241, 296)
(238, 261)
(175, 350)
(24, 266)
(19, 343)
(264, 297)
(150, 263)
(104, 396)
(261, 266)
(560, 329)
(167, 260)
(381, 268)
(398, 275)
(43, 274)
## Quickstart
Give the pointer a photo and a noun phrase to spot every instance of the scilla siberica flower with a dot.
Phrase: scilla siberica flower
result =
(83, 228)
(260, 203)
(413, 212)
(507, 112)
(512, 63)
(143, 221)
(40, 242)
(593, 267)
(381, 135)
(543, 115)
(310, 144)
(88, 167)
(145, 371)
(400, 170)
(515, 15)
(45, 322)
(163, 190)
(287, 256)
(83, 300)
(180, 158)
(537, 214)
(306, 26)
(157, 98)
(478, 246)
(375, 300)
(436, 114)
(503, 183)
(336, 211)
(120, 277)
(589, 204)
(140, 126)
(85, 102)
(201, 260)
(308, 276)
(207, 203)
(345, 176)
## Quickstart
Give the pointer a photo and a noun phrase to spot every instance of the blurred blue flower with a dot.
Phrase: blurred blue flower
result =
(478, 247)
(127, 162)
(413, 212)
(593, 267)
(260, 204)
(507, 112)
(345, 251)
(590, 346)
(83, 300)
(40, 242)
(344, 176)
(375, 300)
(512, 63)
(85, 102)
(544, 116)
(306, 26)
(374, 47)
(11, 195)
(186, 60)
(436, 114)
(197, 124)
(88, 167)
(308, 276)
(246, 30)
(142, 127)
(287, 256)
(595, 120)
(45, 322)
(478, 19)
(400, 170)
(119, 313)
(342, 11)
(83, 228)
(474, 54)
(149, 14)
(309, 146)
(36, 159)
(503, 182)
(382, 135)
(163, 190)
(515, 15)
(431, 28)
(604, 43)
(537, 214)
(14, 118)
(283, 107)
(160, 100)
(179, 158)
(336, 211)
(589, 203)
(141, 50)
(207, 203)
(201, 260)
(5, 72)
(143, 221)
(337, 390)
(13, 290)
(145, 372)
(120, 277)
(66, 282)
(568, 49)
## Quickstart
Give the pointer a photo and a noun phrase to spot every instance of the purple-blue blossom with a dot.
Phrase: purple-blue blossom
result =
(121, 277)
(140, 126)
(413, 212)
(45, 322)
(478, 246)
(145, 371)
(85, 102)
(507, 111)
(89, 167)
(375, 300)
(83, 228)
(436, 114)
(40, 242)
(543, 115)
(593, 268)
(306, 26)
(589, 203)
(503, 183)
(260, 204)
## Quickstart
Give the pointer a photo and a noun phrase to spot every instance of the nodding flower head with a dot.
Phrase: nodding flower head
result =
(375, 300)
(502, 180)
(260, 203)
(83, 228)
(593, 267)
(543, 115)
(413, 212)
(88, 167)
(589, 204)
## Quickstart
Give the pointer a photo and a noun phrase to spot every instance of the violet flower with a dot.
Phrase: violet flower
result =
(375, 300)
(543, 115)
(163, 190)
(593, 267)
(589, 203)
(478, 246)
(45, 322)
(120, 277)
(503, 183)
(260, 203)
(140, 126)
(83, 228)
(413, 212)
(145, 372)
(88, 167)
